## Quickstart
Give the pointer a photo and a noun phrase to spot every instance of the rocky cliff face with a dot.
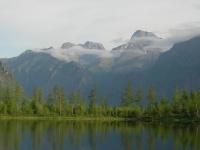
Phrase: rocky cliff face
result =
(67, 45)
(92, 45)
(139, 40)
(140, 33)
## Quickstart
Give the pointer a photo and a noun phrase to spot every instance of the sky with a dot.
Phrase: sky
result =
(30, 24)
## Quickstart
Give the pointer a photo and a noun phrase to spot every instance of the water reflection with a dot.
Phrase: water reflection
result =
(60, 135)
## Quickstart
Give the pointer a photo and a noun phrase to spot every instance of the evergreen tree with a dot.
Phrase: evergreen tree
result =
(9, 101)
(53, 99)
(127, 97)
(139, 96)
(41, 97)
(72, 101)
(79, 97)
(195, 100)
(104, 105)
(61, 99)
(93, 99)
(151, 98)
(18, 95)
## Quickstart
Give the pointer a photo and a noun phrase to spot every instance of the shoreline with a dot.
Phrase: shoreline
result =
(100, 118)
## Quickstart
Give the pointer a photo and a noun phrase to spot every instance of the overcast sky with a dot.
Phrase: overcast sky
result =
(29, 24)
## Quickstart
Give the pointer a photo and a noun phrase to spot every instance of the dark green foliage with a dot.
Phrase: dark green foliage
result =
(183, 105)
(151, 98)
(93, 100)
(139, 96)
(127, 98)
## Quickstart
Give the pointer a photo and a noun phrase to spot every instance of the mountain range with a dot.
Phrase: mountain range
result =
(82, 66)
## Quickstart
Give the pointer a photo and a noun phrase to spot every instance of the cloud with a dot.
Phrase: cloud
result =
(74, 53)
(179, 34)
(44, 23)
(119, 41)
(197, 7)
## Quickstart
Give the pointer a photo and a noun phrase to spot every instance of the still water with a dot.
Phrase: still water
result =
(88, 135)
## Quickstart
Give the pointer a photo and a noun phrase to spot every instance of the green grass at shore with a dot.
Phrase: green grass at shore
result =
(83, 118)
(92, 118)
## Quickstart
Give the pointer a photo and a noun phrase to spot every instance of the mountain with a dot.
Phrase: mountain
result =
(92, 45)
(139, 40)
(6, 78)
(137, 54)
(34, 69)
(140, 33)
(67, 45)
(177, 67)
(50, 48)
(180, 66)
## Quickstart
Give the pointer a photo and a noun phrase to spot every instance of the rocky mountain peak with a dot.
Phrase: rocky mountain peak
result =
(47, 48)
(67, 45)
(92, 45)
(139, 40)
(140, 33)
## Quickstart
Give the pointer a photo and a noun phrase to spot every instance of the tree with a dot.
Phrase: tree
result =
(18, 95)
(151, 97)
(159, 109)
(3, 108)
(60, 100)
(37, 101)
(127, 97)
(139, 96)
(79, 97)
(40, 97)
(53, 98)
(72, 101)
(104, 105)
(93, 99)
(195, 100)
(176, 104)
(9, 101)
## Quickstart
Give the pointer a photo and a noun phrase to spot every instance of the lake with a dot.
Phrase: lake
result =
(91, 135)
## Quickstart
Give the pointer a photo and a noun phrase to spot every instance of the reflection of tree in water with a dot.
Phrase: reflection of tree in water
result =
(36, 129)
(186, 136)
(138, 136)
(9, 132)
(76, 134)
(127, 136)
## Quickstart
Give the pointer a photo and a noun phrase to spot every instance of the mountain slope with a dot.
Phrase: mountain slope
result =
(42, 70)
(177, 67)
(6, 78)
(139, 40)
(137, 54)
(92, 45)
(180, 65)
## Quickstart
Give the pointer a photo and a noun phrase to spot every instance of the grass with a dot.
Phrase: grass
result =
(175, 118)
(83, 118)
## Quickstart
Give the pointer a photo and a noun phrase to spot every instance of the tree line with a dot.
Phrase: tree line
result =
(133, 104)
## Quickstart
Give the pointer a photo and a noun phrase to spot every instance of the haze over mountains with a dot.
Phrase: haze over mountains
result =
(81, 66)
